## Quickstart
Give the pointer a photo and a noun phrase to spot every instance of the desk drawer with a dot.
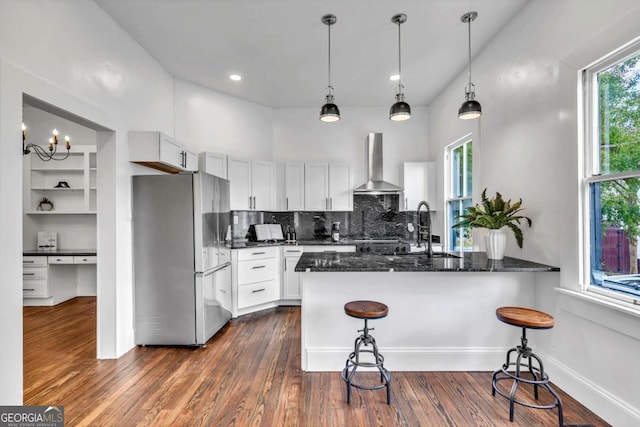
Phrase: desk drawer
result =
(35, 289)
(35, 273)
(61, 259)
(34, 261)
(85, 259)
(258, 270)
(258, 253)
(257, 293)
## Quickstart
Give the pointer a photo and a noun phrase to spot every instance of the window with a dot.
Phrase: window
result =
(611, 184)
(459, 155)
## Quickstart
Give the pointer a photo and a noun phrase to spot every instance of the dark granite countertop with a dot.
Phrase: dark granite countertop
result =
(327, 242)
(60, 252)
(471, 262)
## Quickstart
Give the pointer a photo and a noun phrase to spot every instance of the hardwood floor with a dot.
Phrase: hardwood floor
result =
(248, 374)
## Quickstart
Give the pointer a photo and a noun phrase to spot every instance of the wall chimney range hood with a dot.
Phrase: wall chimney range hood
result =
(375, 184)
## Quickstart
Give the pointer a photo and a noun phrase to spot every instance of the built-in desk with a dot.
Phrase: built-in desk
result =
(51, 277)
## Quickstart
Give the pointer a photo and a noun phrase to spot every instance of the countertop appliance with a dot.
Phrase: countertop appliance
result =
(182, 269)
(383, 246)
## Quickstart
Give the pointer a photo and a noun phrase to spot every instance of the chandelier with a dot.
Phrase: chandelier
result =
(41, 152)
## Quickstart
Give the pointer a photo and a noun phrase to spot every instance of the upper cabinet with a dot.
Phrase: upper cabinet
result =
(213, 163)
(252, 184)
(419, 184)
(162, 152)
(327, 187)
(65, 187)
(294, 186)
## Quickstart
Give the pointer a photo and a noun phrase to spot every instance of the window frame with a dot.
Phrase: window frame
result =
(449, 197)
(590, 165)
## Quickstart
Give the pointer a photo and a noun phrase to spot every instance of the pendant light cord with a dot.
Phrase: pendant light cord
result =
(329, 61)
(399, 60)
(469, 22)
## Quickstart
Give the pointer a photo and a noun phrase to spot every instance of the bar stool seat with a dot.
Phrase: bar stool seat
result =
(525, 318)
(366, 310)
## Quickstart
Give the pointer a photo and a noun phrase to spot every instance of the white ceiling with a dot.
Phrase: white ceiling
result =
(280, 46)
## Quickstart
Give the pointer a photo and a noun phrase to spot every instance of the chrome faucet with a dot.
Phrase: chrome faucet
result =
(424, 229)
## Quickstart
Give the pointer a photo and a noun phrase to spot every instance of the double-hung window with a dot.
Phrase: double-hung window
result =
(460, 159)
(611, 181)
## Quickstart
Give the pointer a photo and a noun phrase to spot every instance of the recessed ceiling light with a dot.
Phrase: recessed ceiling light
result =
(235, 77)
(394, 77)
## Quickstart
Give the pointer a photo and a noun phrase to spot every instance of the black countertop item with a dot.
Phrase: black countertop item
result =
(470, 262)
(60, 252)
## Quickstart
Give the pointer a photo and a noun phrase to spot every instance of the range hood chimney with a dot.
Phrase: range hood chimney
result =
(375, 183)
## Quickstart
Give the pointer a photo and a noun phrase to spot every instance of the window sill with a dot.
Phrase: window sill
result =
(602, 300)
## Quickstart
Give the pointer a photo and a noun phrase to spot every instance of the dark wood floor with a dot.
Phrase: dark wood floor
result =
(247, 375)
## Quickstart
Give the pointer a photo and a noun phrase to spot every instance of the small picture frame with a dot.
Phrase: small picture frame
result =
(47, 240)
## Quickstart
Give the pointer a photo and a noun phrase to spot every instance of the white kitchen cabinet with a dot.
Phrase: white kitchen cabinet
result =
(419, 184)
(294, 186)
(48, 280)
(255, 279)
(327, 187)
(213, 163)
(291, 278)
(162, 152)
(252, 184)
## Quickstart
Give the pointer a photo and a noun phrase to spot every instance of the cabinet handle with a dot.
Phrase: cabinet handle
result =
(28, 274)
(222, 290)
(30, 290)
(254, 202)
(249, 202)
(27, 262)
(287, 203)
(258, 290)
(293, 251)
(258, 253)
(258, 266)
(406, 204)
(331, 203)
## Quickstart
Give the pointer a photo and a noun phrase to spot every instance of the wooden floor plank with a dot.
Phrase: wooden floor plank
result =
(248, 374)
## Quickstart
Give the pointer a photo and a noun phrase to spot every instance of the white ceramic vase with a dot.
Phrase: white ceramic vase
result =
(495, 242)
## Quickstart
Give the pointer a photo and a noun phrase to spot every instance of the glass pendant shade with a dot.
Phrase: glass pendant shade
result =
(400, 110)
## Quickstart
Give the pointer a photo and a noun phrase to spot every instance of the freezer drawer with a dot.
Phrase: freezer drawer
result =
(257, 293)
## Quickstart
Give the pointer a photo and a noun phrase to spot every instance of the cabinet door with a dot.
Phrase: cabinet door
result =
(340, 191)
(294, 186)
(239, 172)
(263, 185)
(214, 164)
(316, 186)
(170, 151)
(291, 279)
(419, 184)
(190, 159)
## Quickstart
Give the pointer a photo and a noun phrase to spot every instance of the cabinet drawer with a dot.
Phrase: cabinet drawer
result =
(257, 293)
(61, 259)
(35, 289)
(84, 259)
(34, 261)
(257, 253)
(293, 252)
(258, 270)
(34, 273)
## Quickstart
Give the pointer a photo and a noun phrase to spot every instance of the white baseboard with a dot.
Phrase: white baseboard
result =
(611, 408)
(413, 359)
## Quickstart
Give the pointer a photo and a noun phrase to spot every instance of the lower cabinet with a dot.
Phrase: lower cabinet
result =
(255, 279)
(291, 278)
(50, 280)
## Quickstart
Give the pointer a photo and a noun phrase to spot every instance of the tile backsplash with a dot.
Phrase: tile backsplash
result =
(373, 217)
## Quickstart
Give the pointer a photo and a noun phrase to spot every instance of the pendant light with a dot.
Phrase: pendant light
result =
(400, 110)
(470, 108)
(329, 111)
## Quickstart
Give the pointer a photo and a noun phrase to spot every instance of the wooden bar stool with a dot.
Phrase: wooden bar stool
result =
(531, 319)
(366, 310)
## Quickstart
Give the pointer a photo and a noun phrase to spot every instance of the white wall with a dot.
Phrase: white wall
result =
(72, 55)
(211, 121)
(526, 145)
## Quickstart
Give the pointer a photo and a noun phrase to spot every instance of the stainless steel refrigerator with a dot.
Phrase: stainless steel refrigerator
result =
(182, 269)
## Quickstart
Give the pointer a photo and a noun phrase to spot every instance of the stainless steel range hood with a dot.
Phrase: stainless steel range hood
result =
(375, 184)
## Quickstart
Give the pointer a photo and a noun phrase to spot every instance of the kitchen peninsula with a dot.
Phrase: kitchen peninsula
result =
(441, 310)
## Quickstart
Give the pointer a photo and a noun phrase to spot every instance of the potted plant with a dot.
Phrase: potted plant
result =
(494, 214)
